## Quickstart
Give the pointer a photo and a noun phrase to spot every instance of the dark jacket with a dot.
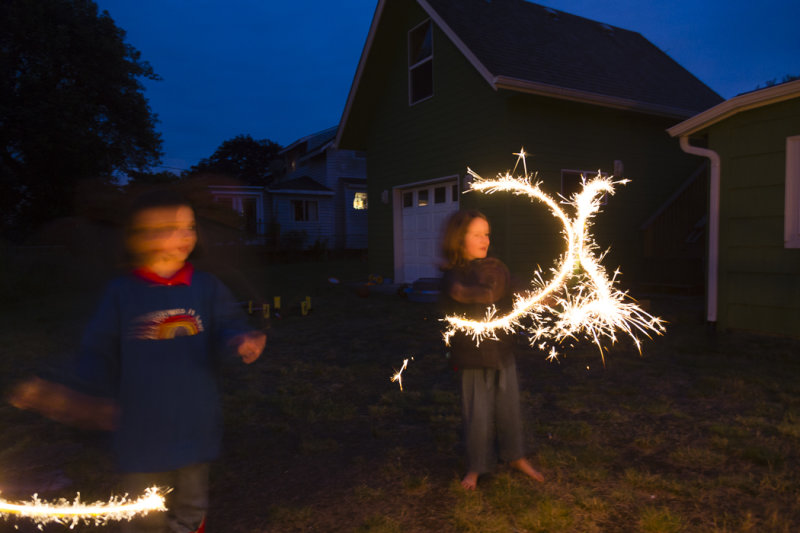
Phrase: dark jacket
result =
(487, 280)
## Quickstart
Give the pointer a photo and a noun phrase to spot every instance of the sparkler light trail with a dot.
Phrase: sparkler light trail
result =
(398, 375)
(579, 300)
(73, 513)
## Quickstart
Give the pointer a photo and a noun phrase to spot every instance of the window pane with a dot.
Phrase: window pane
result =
(420, 43)
(422, 198)
(360, 201)
(421, 81)
(570, 183)
(297, 207)
(454, 194)
(439, 195)
(408, 199)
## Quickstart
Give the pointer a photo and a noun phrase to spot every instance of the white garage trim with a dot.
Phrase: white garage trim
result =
(409, 263)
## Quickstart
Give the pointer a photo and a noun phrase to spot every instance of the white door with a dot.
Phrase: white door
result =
(424, 210)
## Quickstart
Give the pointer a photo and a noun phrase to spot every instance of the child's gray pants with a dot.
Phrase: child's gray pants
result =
(491, 412)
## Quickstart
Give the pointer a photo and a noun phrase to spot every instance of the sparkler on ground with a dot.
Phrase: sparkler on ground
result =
(579, 300)
(398, 375)
(73, 513)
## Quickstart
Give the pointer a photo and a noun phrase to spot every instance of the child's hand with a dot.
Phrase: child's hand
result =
(62, 404)
(250, 345)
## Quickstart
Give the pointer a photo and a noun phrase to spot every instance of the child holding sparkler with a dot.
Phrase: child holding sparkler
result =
(489, 388)
(153, 347)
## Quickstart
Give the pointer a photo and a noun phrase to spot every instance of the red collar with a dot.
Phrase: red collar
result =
(181, 277)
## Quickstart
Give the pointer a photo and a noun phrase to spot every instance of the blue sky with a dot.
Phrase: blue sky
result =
(281, 70)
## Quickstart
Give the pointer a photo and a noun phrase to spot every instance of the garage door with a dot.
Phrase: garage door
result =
(424, 209)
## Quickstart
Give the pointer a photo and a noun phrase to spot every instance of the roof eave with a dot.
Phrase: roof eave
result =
(586, 97)
(359, 71)
(459, 44)
(463, 48)
(737, 104)
(320, 149)
(301, 191)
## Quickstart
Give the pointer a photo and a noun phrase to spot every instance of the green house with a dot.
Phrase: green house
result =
(753, 144)
(443, 85)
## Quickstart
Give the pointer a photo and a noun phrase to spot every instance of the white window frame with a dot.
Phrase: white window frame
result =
(420, 63)
(791, 226)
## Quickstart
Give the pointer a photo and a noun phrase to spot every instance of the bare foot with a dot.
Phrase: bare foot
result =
(470, 481)
(525, 467)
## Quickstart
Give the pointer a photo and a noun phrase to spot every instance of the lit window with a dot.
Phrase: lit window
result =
(305, 210)
(791, 233)
(420, 62)
(422, 198)
(360, 201)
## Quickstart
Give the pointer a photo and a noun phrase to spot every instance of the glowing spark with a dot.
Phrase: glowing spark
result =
(579, 300)
(73, 513)
(398, 375)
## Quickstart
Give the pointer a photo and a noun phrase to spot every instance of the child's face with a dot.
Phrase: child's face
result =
(163, 235)
(476, 240)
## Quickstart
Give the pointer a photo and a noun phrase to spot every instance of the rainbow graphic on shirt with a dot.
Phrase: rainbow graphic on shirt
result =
(167, 324)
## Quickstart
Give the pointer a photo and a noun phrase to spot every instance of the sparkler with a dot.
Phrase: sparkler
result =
(398, 375)
(73, 513)
(579, 300)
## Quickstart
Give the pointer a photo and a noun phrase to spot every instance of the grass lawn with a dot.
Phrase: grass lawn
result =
(700, 433)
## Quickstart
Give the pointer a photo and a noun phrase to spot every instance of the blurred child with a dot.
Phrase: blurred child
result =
(153, 346)
(489, 388)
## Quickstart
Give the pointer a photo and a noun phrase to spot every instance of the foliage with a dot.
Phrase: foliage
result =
(774, 81)
(163, 177)
(71, 107)
(251, 161)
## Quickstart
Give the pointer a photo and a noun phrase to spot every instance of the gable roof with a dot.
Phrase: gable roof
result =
(315, 142)
(737, 104)
(526, 47)
(301, 185)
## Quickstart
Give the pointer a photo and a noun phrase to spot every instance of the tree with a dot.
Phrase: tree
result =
(774, 81)
(71, 107)
(244, 158)
(163, 177)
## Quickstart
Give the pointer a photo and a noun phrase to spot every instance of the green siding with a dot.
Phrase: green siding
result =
(759, 279)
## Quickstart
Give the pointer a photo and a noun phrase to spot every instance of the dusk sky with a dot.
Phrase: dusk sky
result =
(281, 70)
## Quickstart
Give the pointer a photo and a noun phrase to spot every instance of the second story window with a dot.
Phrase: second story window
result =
(420, 63)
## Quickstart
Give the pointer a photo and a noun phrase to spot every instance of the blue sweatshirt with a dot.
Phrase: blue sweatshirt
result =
(154, 345)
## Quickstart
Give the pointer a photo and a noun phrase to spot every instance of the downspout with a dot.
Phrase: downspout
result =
(713, 225)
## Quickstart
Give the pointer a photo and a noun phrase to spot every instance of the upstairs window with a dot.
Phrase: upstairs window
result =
(791, 233)
(420, 63)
